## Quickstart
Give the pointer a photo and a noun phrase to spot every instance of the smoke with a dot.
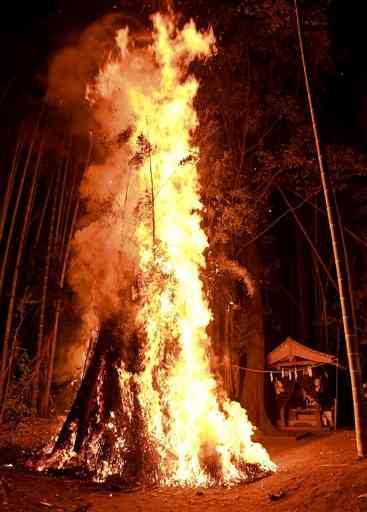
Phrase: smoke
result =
(238, 272)
(103, 265)
(77, 64)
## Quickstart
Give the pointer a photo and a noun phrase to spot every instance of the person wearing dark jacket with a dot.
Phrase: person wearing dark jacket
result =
(326, 404)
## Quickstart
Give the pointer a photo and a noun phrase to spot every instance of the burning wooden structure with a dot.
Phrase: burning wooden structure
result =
(156, 413)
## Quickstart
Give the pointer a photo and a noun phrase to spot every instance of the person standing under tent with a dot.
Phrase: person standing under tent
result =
(281, 399)
(326, 404)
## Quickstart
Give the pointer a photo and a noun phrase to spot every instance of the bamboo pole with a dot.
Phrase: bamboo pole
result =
(9, 373)
(22, 242)
(45, 401)
(61, 202)
(44, 209)
(308, 238)
(41, 326)
(66, 220)
(10, 185)
(336, 400)
(346, 258)
(272, 224)
(69, 171)
(16, 208)
(51, 349)
(341, 270)
(318, 209)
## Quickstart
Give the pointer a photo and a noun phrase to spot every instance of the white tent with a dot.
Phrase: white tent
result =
(292, 353)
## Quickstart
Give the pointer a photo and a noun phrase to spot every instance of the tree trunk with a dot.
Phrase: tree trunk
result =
(253, 397)
(341, 264)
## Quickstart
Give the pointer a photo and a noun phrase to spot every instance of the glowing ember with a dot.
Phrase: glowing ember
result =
(195, 435)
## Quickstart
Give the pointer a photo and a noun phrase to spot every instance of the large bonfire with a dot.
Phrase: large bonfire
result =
(162, 418)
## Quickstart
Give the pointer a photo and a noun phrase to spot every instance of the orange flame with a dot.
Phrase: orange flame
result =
(200, 436)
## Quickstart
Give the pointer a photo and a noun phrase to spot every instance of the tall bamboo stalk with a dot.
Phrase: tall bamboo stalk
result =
(41, 325)
(66, 218)
(61, 208)
(11, 360)
(308, 238)
(322, 298)
(345, 229)
(16, 208)
(10, 185)
(45, 399)
(65, 252)
(336, 400)
(341, 270)
(9, 374)
(346, 257)
(22, 242)
(44, 209)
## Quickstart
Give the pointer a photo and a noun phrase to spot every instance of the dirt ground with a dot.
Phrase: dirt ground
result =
(318, 472)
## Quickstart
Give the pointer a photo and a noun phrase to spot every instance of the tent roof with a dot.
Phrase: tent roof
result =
(292, 353)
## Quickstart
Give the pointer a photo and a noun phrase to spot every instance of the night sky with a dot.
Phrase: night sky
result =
(32, 32)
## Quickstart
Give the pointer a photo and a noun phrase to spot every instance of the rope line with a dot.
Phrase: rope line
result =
(291, 368)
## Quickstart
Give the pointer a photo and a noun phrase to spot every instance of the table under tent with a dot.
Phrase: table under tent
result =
(304, 395)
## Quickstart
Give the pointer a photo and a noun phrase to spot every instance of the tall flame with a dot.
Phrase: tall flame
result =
(196, 435)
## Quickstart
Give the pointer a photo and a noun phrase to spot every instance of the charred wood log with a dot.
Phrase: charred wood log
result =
(103, 436)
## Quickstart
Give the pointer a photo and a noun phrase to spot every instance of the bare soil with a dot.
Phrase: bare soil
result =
(319, 472)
